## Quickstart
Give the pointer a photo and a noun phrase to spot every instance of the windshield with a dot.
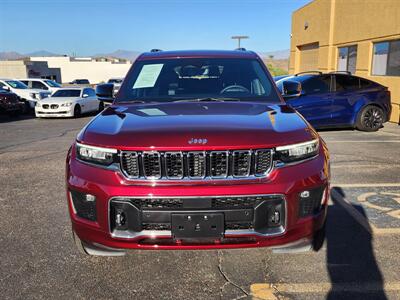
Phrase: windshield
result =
(52, 83)
(67, 93)
(195, 78)
(115, 81)
(16, 84)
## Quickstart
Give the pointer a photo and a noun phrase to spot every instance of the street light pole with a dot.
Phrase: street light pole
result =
(239, 38)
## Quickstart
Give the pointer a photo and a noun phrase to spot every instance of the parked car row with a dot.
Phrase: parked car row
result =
(326, 100)
(47, 98)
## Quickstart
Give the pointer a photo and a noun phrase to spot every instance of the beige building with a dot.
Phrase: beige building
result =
(65, 69)
(25, 68)
(360, 36)
(95, 70)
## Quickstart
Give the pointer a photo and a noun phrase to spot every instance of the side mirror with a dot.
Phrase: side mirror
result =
(4, 87)
(291, 89)
(85, 95)
(105, 92)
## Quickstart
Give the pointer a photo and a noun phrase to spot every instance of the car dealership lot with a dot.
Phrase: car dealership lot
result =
(38, 258)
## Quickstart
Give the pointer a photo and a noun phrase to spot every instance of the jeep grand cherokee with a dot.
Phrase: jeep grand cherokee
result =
(197, 151)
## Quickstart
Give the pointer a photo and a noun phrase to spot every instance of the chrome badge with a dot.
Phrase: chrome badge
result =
(197, 141)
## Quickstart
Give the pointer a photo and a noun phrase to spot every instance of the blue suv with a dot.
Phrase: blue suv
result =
(337, 99)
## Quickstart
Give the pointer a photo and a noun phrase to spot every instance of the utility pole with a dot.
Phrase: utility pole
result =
(239, 38)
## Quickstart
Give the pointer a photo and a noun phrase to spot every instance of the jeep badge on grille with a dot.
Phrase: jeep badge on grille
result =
(197, 141)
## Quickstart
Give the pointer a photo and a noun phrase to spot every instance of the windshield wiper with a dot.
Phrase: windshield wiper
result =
(208, 99)
(132, 101)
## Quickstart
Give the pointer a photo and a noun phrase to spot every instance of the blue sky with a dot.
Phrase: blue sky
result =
(102, 26)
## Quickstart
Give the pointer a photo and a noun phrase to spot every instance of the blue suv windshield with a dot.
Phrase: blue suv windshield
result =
(164, 80)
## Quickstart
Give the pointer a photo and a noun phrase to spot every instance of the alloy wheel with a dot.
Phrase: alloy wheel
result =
(373, 118)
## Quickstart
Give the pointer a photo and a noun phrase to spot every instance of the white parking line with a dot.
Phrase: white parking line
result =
(269, 291)
(362, 141)
(350, 185)
(388, 165)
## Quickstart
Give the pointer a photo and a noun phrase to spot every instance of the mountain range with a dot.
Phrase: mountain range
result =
(126, 54)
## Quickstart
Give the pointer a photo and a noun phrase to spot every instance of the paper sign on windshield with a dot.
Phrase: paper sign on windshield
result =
(148, 76)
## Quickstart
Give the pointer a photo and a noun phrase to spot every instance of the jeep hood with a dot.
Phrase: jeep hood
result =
(172, 126)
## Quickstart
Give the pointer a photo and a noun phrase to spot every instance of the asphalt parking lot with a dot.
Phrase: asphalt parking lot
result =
(360, 258)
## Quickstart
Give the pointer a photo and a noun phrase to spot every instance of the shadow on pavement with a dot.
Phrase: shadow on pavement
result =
(351, 263)
(6, 118)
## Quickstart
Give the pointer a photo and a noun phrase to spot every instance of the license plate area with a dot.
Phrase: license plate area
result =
(197, 225)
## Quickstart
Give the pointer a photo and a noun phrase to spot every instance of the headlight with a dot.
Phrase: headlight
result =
(97, 155)
(297, 152)
(68, 104)
(37, 104)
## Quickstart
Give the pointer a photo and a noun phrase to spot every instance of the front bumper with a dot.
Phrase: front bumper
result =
(287, 183)
(51, 113)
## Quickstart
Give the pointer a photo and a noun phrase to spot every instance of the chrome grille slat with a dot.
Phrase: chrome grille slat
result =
(174, 165)
(130, 164)
(219, 164)
(196, 165)
(241, 163)
(263, 161)
(152, 165)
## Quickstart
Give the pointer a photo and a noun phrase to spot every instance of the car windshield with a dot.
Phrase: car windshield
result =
(115, 81)
(67, 93)
(52, 83)
(222, 79)
(81, 81)
(16, 84)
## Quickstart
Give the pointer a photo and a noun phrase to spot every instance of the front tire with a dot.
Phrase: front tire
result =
(370, 118)
(319, 238)
(77, 111)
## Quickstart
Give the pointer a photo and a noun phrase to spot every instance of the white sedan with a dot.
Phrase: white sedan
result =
(69, 102)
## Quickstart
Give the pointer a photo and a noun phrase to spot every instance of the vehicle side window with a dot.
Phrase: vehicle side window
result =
(38, 85)
(90, 92)
(346, 82)
(26, 82)
(317, 85)
(85, 91)
(364, 84)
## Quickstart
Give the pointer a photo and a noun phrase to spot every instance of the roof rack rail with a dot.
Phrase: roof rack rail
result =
(345, 72)
(155, 50)
(241, 49)
(306, 72)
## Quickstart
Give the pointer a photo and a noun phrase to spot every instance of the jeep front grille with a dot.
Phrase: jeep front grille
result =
(196, 164)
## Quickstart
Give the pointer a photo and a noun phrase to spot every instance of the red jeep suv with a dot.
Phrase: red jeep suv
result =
(197, 151)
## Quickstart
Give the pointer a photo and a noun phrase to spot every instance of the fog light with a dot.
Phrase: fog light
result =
(305, 194)
(310, 201)
(275, 217)
(90, 198)
(120, 219)
(84, 205)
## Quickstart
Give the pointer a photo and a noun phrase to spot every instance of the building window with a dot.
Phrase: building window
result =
(386, 58)
(347, 59)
